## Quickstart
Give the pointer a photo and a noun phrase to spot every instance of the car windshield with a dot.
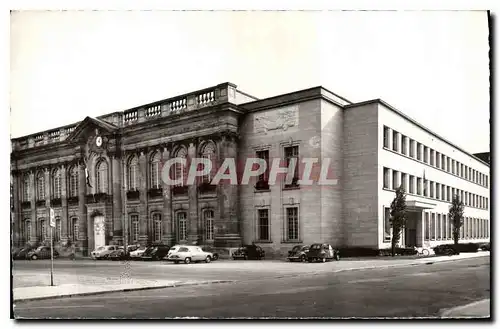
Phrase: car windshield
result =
(100, 248)
(296, 248)
(40, 248)
(111, 248)
(315, 247)
(142, 248)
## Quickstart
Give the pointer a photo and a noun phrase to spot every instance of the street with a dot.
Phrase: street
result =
(415, 291)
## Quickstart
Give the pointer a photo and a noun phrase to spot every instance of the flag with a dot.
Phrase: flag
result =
(87, 176)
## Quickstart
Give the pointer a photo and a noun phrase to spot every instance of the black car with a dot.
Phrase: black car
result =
(249, 252)
(23, 253)
(322, 252)
(446, 249)
(485, 247)
(212, 250)
(156, 252)
(119, 254)
(298, 253)
(41, 252)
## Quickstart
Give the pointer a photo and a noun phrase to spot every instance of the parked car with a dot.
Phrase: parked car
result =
(322, 252)
(22, 254)
(156, 252)
(137, 253)
(41, 252)
(298, 253)
(119, 254)
(211, 250)
(485, 246)
(103, 252)
(251, 251)
(445, 249)
(188, 254)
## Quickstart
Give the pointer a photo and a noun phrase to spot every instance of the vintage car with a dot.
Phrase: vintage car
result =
(103, 252)
(298, 253)
(188, 254)
(137, 253)
(41, 252)
(446, 249)
(23, 253)
(211, 250)
(155, 252)
(251, 251)
(322, 252)
(119, 254)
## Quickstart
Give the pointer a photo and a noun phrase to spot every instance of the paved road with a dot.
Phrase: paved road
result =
(416, 291)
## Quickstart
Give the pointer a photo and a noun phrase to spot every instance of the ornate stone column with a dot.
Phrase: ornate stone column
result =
(34, 220)
(193, 236)
(168, 235)
(117, 197)
(82, 208)
(15, 211)
(144, 235)
(227, 229)
(64, 204)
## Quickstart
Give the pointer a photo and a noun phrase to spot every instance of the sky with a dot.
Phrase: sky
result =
(432, 66)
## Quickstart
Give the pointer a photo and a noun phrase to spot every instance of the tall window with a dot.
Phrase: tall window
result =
(439, 227)
(292, 215)
(208, 216)
(387, 173)
(438, 159)
(133, 172)
(395, 176)
(433, 226)
(43, 230)
(40, 185)
(438, 190)
(180, 170)
(443, 192)
(102, 177)
(404, 143)
(263, 224)
(419, 151)
(431, 189)
(26, 188)
(448, 193)
(426, 154)
(27, 230)
(432, 157)
(443, 161)
(181, 226)
(291, 155)
(264, 155)
(427, 226)
(74, 229)
(155, 171)
(412, 184)
(157, 227)
(57, 232)
(56, 184)
(386, 136)
(395, 136)
(419, 186)
(73, 181)
(403, 181)
(208, 152)
(412, 148)
(387, 224)
(134, 219)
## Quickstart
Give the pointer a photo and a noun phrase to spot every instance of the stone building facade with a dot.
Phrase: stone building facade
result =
(125, 200)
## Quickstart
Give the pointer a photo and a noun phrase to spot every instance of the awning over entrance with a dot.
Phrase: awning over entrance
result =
(419, 205)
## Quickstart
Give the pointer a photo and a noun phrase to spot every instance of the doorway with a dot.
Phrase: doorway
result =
(99, 232)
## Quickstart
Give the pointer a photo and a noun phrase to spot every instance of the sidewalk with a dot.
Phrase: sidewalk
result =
(479, 309)
(69, 290)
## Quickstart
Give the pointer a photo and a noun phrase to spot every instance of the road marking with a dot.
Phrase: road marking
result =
(53, 307)
(368, 280)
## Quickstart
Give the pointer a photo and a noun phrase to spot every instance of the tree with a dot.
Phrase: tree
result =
(398, 217)
(456, 216)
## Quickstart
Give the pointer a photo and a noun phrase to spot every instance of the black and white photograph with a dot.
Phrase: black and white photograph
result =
(250, 164)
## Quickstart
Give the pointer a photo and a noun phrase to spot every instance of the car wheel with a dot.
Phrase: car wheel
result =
(34, 257)
(187, 260)
(208, 259)
(323, 260)
(303, 258)
(216, 257)
(337, 257)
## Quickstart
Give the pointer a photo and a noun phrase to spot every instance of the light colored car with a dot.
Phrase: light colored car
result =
(138, 252)
(188, 254)
(104, 251)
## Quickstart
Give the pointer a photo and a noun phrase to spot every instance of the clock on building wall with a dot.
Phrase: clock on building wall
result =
(98, 141)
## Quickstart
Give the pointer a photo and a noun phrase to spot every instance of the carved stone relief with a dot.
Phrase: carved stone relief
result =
(276, 120)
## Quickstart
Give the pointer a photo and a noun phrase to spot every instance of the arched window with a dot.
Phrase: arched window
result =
(26, 188)
(157, 227)
(40, 186)
(154, 169)
(181, 226)
(73, 181)
(56, 184)
(133, 172)
(208, 152)
(27, 230)
(134, 219)
(102, 177)
(180, 170)
(57, 232)
(208, 216)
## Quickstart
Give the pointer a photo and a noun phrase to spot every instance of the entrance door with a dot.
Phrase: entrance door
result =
(99, 231)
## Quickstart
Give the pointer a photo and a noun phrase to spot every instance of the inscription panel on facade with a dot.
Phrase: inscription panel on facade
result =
(278, 120)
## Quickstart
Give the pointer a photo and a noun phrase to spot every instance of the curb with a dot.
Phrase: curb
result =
(446, 312)
(174, 285)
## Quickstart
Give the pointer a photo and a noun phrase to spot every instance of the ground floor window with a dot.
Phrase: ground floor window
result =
(427, 226)
(74, 229)
(57, 233)
(43, 230)
(433, 226)
(387, 224)
(27, 230)
(263, 224)
(157, 227)
(208, 216)
(292, 215)
(134, 219)
(181, 226)
(439, 236)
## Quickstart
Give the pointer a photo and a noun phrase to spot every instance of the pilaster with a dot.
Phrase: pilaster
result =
(193, 224)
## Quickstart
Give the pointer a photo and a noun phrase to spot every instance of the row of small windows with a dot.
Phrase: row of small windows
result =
(418, 186)
(416, 150)
(55, 187)
(292, 224)
(42, 230)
